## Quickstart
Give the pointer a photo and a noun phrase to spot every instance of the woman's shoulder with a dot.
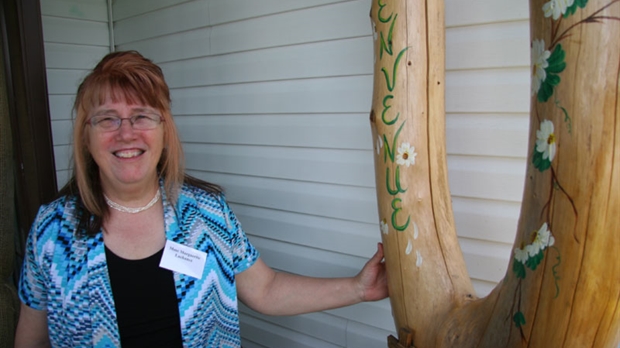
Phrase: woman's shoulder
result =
(202, 196)
(58, 206)
(60, 212)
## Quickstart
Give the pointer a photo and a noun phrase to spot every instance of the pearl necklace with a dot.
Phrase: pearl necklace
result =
(129, 210)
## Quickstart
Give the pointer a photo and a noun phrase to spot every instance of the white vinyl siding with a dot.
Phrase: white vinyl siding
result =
(272, 99)
(487, 123)
(76, 37)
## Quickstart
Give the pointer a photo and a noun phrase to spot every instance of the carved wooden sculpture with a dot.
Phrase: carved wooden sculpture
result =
(562, 287)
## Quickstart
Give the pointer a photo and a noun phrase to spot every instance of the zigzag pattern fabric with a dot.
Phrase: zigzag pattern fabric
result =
(68, 275)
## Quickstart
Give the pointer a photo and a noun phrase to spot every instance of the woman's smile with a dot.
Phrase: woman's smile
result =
(128, 153)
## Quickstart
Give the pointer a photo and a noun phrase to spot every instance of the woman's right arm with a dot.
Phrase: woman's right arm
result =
(31, 328)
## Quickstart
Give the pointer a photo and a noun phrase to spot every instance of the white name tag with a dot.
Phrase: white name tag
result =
(180, 258)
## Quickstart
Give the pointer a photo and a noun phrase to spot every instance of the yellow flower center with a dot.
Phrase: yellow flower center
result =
(405, 155)
(551, 139)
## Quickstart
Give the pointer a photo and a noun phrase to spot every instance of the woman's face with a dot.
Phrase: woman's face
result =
(126, 157)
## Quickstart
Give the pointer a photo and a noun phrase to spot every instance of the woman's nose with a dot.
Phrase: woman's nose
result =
(126, 128)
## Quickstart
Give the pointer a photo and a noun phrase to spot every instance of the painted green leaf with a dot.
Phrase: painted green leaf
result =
(535, 260)
(552, 80)
(539, 162)
(519, 269)
(545, 92)
(556, 66)
(519, 319)
(556, 61)
(573, 8)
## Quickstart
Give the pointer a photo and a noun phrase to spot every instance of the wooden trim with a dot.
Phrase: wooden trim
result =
(22, 40)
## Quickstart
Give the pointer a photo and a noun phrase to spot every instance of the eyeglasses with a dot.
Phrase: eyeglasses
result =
(108, 123)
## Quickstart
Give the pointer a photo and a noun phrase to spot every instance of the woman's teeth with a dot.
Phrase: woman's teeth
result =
(128, 153)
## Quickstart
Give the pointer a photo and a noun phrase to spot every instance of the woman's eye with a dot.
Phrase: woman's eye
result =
(106, 120)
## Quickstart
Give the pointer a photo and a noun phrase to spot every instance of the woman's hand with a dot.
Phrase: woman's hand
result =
(372, 279)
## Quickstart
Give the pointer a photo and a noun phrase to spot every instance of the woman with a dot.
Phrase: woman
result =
(135, 252)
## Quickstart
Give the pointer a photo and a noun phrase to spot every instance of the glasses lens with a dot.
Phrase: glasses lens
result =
(105, 123)
(145, 121)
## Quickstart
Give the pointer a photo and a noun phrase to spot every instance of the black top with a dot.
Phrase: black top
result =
(146, 303)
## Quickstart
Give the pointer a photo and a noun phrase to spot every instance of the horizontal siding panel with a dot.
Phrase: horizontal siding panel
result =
(319, 325)
(326, 95)
(314, 165)
(321, 59)
(459, 13)
(376, 314)
(61, 106)
(72, 31)
(334, 330)
(307, 261)
(466, 134)
(335, 201)
(487, 134)
(269, 335)
(490, 90)
(62, 156)
(486, 46)
(483, 288)
(123, 9)
(335, 131)
(178, 18)
(236, 10)
(492, 178)
(485, 260)
(62, 177)
(311, 25)
(347, 237)
(249, 344)
(177, 46)
(77, 9)
(483, 219)
(65, 56)
(364, 336)
(62, 132)
(62, 81)
(319, 263)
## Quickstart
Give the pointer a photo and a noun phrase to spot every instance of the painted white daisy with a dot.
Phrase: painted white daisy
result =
(545, 140)
(539, 58)
(542, 240)
(379, 144)
(556, 8)
(521, 255)
(532, 249)
(406, 155)
(384, 226)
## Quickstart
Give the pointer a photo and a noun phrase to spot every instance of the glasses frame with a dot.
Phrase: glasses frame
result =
(132, 121)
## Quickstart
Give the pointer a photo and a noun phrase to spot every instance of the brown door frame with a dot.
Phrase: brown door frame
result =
(22, 45)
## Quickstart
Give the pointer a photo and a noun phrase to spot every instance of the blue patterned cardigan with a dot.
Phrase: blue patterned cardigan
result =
(68, 275)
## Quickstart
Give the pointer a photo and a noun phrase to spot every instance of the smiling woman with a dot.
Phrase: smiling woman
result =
(136, 252)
